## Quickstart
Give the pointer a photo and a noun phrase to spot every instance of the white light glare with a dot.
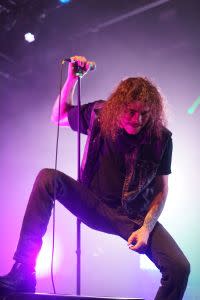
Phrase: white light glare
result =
(146, 263)
(29, 37)
(43, 265)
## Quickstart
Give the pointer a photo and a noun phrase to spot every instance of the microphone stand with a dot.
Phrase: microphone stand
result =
(78, 222)
(79, 72)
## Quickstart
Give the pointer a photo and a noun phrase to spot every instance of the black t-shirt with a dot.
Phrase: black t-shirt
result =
(108, 180)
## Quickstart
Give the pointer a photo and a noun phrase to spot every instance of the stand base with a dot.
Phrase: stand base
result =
(38, 296)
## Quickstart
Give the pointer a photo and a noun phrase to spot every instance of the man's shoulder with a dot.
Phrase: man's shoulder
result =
(98, 105)
(92, 106)
(166, 132)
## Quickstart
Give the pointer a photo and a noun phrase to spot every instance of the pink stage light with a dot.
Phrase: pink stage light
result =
(43, 265)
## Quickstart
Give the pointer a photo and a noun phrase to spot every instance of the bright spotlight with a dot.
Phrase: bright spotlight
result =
(64, 1)
(43, 265)
(29, 37)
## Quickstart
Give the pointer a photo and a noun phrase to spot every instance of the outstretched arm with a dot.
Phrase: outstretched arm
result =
(67, 92)
(139, 238)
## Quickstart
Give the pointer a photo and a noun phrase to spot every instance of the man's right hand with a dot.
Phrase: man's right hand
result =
(82, 62)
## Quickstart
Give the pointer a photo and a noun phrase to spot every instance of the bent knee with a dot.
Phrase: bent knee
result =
(45, 175)
(180, 271)
(184, 268)
(45, 172)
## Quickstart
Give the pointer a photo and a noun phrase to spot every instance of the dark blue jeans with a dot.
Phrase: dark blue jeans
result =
(83, 203)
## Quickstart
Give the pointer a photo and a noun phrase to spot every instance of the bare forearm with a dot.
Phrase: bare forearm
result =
(155, 211)
(66, 100)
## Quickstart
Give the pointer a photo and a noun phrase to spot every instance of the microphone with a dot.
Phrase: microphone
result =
(92, 64)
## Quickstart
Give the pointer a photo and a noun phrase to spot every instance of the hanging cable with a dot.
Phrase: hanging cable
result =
(55, 178)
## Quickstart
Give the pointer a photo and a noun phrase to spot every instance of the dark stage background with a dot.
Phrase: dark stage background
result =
(157, 39)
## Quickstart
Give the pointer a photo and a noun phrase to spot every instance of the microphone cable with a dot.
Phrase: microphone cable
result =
(55, 179)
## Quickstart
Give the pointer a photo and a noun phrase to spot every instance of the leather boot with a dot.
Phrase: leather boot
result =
(20, 279)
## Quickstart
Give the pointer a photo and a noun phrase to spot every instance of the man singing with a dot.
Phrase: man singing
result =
(124, 181)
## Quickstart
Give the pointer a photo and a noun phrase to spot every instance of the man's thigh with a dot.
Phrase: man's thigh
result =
(84, 204)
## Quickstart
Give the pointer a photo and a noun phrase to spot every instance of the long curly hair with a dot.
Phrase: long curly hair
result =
(130, 90)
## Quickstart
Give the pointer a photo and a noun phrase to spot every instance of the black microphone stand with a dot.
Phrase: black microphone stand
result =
(78, 222)
(79, 73)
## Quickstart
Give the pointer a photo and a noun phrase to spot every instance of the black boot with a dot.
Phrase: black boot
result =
(21, 279)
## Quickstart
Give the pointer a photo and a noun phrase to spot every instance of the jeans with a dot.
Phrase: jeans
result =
(92, 211)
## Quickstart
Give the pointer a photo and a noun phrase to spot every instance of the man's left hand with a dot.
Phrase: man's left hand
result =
(138, 240)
